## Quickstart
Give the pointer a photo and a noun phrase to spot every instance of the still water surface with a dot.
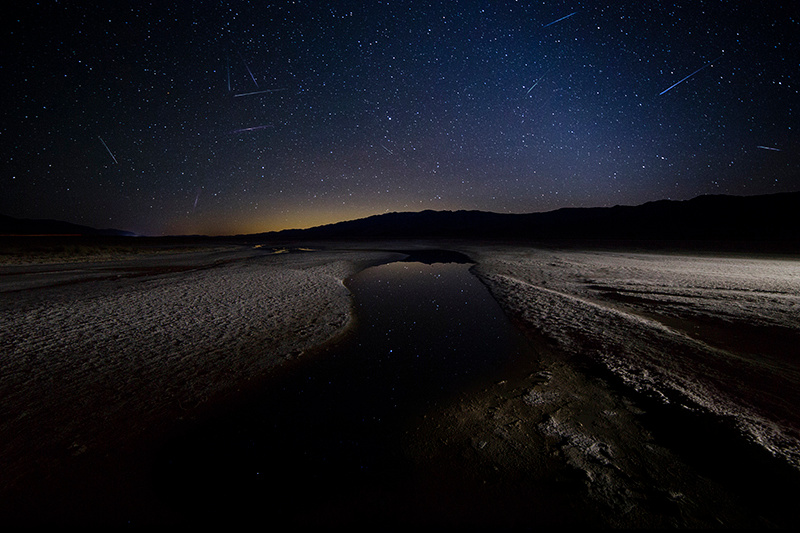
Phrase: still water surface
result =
(326, 437)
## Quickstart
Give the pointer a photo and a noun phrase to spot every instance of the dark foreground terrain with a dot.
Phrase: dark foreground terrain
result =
(189, 383)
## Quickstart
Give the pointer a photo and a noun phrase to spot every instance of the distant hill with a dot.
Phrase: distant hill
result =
(22, 226)
(722, 218)
(774, 217)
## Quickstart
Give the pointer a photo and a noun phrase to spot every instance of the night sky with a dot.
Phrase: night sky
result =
(239, 117)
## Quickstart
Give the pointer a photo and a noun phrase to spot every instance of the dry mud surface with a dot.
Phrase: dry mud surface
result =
(664, 393)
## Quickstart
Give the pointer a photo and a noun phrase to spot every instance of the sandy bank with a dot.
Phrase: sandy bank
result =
(98, 356)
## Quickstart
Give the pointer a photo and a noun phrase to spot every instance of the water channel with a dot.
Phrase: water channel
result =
(327, 436)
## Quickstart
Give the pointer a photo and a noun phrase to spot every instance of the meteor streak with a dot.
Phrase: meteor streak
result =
(536, 82)
(107, 149)
(559, 20)
(254, 128)
(769, 148)
(687, 77)
(248, 70)
(259, 92)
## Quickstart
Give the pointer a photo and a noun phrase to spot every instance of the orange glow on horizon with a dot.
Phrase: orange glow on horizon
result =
(221, 225)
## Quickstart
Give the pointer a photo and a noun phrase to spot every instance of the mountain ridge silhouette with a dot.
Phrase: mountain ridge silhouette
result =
(773, 217)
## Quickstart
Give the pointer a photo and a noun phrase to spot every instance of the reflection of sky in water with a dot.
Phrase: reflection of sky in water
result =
(333, 427)
(439, 318)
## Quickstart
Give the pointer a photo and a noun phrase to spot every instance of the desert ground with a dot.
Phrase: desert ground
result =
(664, 391)
(101, 354)
(666, 381)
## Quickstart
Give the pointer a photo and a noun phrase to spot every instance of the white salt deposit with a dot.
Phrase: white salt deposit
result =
(102, 352)
(641, 315)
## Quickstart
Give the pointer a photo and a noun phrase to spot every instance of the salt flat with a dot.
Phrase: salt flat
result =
(716, 332)
(103, 355)
(714, 337)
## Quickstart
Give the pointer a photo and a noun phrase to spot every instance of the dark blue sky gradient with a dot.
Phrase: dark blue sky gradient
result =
(388, 106)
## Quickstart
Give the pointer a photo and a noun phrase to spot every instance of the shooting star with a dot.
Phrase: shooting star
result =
(228, 62)
(107, 149)
(260, 92)
(687, 77)
(536, 83)
(769, 148)
(248, 70)
(382, 146)
(559, 20)
(254, 128)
